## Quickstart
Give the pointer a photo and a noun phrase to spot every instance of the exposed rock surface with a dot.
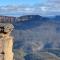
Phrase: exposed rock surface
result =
(6, 42)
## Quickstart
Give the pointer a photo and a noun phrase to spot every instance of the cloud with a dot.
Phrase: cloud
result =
(52, 7)
(16, 10)
(54, 1)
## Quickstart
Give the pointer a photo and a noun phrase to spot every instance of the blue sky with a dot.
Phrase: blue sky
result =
(19, 2)
(27, 7)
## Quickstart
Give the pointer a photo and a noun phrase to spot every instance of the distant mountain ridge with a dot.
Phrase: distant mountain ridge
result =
(13, 19)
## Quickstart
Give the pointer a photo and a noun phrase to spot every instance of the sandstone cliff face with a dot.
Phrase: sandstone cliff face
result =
(8, 47)
(6, 41)
(7, 19)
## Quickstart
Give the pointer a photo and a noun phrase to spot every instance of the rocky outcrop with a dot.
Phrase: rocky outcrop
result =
(6, 42)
